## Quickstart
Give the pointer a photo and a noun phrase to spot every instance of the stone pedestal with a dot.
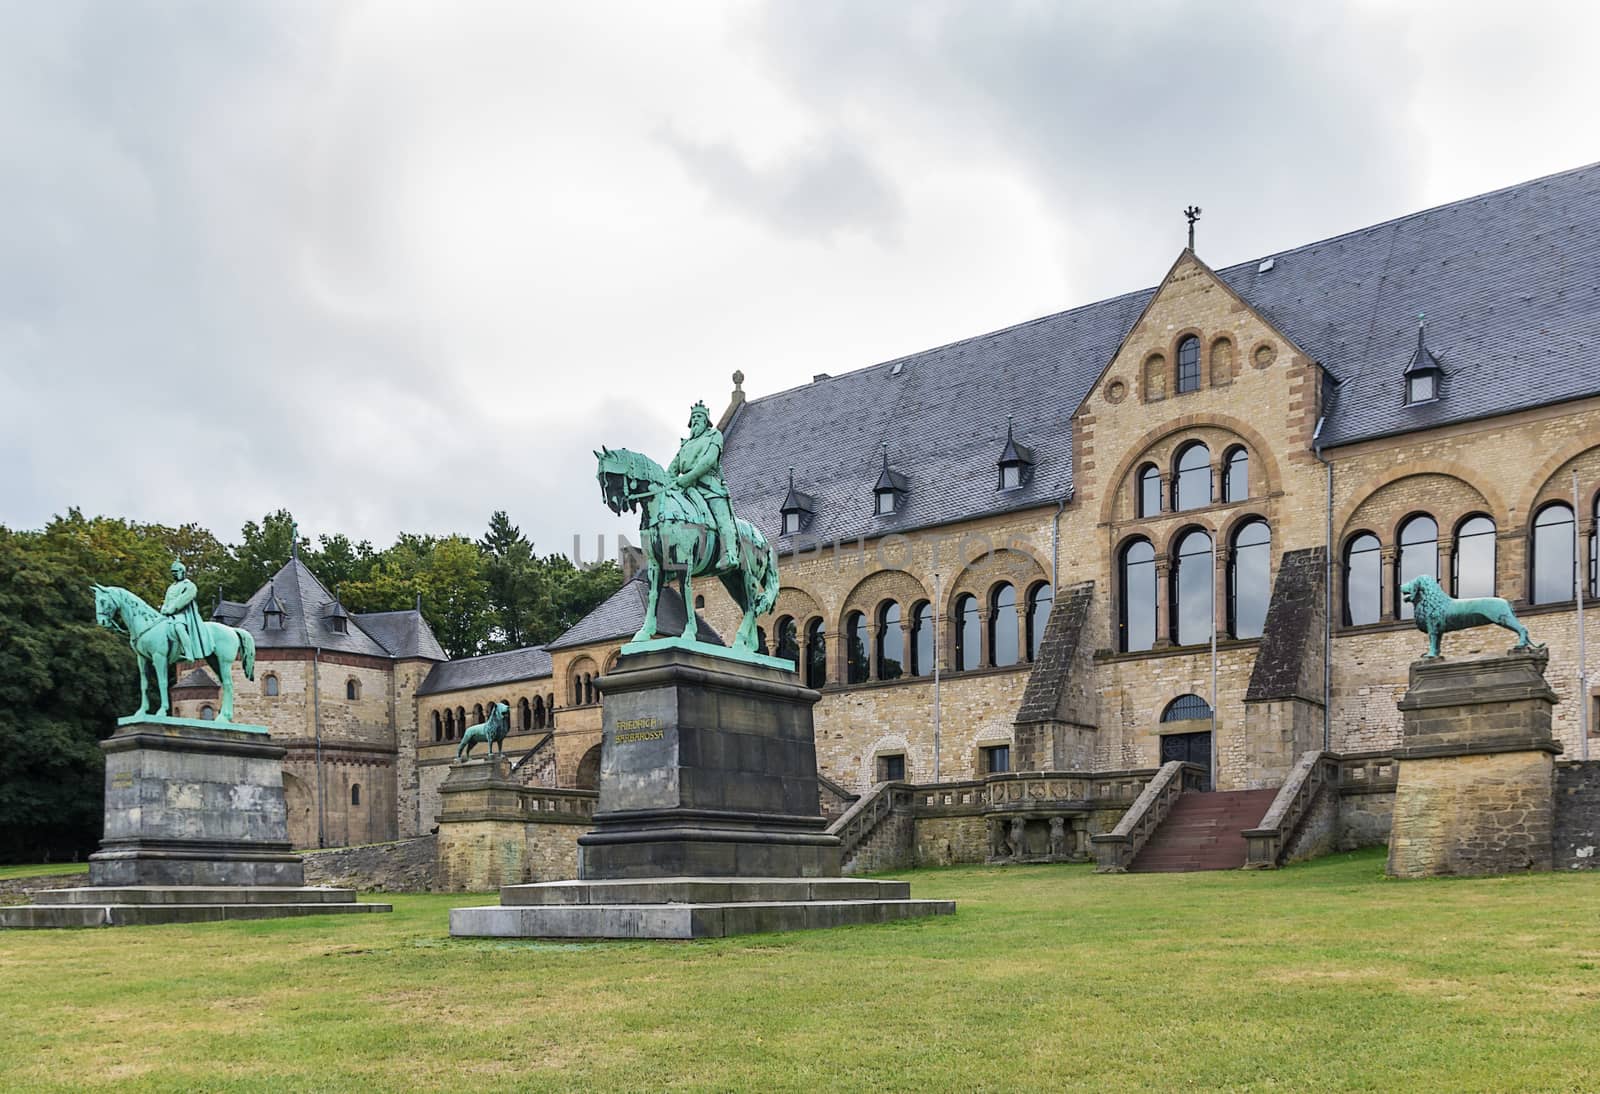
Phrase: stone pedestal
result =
(707, 822)
(195, 830)
(1475, 791)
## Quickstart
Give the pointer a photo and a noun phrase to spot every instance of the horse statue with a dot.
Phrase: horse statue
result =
(493, 732)
(152, 637)
(678, 534)
(1437, 613)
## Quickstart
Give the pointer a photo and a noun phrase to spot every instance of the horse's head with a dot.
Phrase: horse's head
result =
(105, 607)
(619, 488)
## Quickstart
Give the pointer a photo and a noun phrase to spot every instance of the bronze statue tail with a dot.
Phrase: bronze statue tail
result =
(247, 652)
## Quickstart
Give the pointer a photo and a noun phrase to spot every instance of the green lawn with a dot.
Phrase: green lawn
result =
(43, 869)
(1324, 976)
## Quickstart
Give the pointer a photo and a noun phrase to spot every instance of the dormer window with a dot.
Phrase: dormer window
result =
(338, 619)
(272, 611)
(796, 509)
(888, 495)
(1423, 373)
(1016, 461)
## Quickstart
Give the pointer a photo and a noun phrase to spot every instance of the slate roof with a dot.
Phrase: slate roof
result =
(405, 634)
(621, 613)
(306, 624)
(1509, 282)
(529, 663)
(197, 677)
(229, 612)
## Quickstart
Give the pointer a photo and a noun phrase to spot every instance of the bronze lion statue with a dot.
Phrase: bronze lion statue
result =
(1436, 613)
(493, 732)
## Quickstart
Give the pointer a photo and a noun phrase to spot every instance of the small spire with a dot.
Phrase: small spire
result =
(419, 601)
(791, 476)
(886, 455)
(1008, 429)
(294, 540)
(1193, 213)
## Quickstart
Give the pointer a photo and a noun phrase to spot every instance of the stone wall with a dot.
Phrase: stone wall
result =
(1576, 835)
(947, 840)
(1365, 820)
(403, 866)
(1479, 814)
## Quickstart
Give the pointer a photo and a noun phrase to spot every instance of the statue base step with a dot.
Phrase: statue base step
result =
(689, 907)
(140, 905)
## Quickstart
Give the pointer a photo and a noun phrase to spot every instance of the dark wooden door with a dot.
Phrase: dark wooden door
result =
(1194, 748)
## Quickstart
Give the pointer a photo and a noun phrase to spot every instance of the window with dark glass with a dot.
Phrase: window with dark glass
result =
(1136, 608)
(996, 759)
(1191, 486)
(892, 769)
(1236, 474)
(1149, 491)
(1363, 580)
(816, 655)
(855, 637)
(1186, 708)
(1249, 579)
(1192, 589)
(969, 636)
(1189, 364)
(207, 712)
(1419, 554)
(352, 688)
(1003, 625)
(891, 642)
(1040, 598)
(922, 639)
(1472, 563)
(1554, 546)
(788, 639)
(1594, 558)
(355, 793)
(438, 727)
(269, 686)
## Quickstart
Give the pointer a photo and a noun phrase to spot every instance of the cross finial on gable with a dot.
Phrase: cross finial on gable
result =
(1193, 213)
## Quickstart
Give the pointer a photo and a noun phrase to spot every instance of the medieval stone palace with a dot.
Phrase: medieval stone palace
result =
(1168, 525)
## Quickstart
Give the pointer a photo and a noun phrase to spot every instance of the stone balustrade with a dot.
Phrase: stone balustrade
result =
(1314, 780)
(1114, 850)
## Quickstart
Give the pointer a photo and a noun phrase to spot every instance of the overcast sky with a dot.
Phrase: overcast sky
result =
(393, 266)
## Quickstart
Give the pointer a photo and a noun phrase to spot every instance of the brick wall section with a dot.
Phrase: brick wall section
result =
(1576, 831)
(405, 866)
(945, 841)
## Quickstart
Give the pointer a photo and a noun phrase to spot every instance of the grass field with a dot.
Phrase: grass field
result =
(43, 869)
(1323, 976)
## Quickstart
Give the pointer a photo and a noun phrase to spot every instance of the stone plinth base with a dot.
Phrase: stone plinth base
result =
(112, 906)
(193, 805)
(689, 907)
(1475, 791)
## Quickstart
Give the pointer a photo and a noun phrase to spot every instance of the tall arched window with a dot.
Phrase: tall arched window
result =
(1554, 547)
(355, 793)
(789, 639)
(449, 725)
(525, 711)
(577, 690)
(538, 712)
(1236, 474)
(816, 654)
(1249, 579)
(269, 685)
(477, 714)
(1136, 607)
(761, 642)
(1192, 589)
(922, 638)
(1189, 364)
(438, 727)
(461, 720)
(969, 635)
(1191, 486)
(1472, 562)
(1594, 551)
(1363, 580)
(1419, 554)
(1003, 625)
(1149, 491)
(1040, 598)
(588, 687)
(891, 642)
(352, 688)
(855, 648)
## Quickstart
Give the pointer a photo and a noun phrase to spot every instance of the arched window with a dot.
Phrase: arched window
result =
(1419, 554)
(1554, 547)
(1189, 364)
(550, 711)
(1191, 486)
(789, 640)
(538, 712)
(891, 642)
(1186, 708)
(922, 638)
(588, 687)
(355, 793)
(1472, 562)
(577, 690)
(269, 685)
(761, 642)
(1149, 491)
(438, 727)
(207, 712)
(1594, 552)
(1249, 579)
(352, 688)
(449, 725)
(969, 636)
(1192, 589)
(1363, 580)
(855, 638)
(816, 654)
(477, 714)
(1236, 474)
(1136, 607)
(525, 713)
(1003, 625)
(1040, 598)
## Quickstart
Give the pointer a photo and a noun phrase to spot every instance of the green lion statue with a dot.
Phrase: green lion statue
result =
(492, 733)
(1436, 613)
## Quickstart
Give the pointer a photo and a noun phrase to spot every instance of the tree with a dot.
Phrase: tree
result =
(262, 550)
(338, 562)
(575, 591)
(515, 580)
(446, 573)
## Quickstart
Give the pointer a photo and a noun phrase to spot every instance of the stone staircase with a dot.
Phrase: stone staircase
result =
(875, 832)
(1204, 831)
(537, 767)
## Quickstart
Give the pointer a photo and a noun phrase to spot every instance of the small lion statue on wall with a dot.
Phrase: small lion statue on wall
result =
(492, 733)
(1436, 613)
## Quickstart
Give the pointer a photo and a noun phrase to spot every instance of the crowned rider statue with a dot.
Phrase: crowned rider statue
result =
(697, 470)
(180, 607)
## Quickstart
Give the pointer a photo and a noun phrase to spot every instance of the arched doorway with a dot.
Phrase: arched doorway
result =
(1186, 733)
(589, 770)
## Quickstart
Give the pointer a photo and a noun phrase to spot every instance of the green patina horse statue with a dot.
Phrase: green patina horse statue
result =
(152, 637)
(679, 535)
(492, 733)
(1437, 613)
